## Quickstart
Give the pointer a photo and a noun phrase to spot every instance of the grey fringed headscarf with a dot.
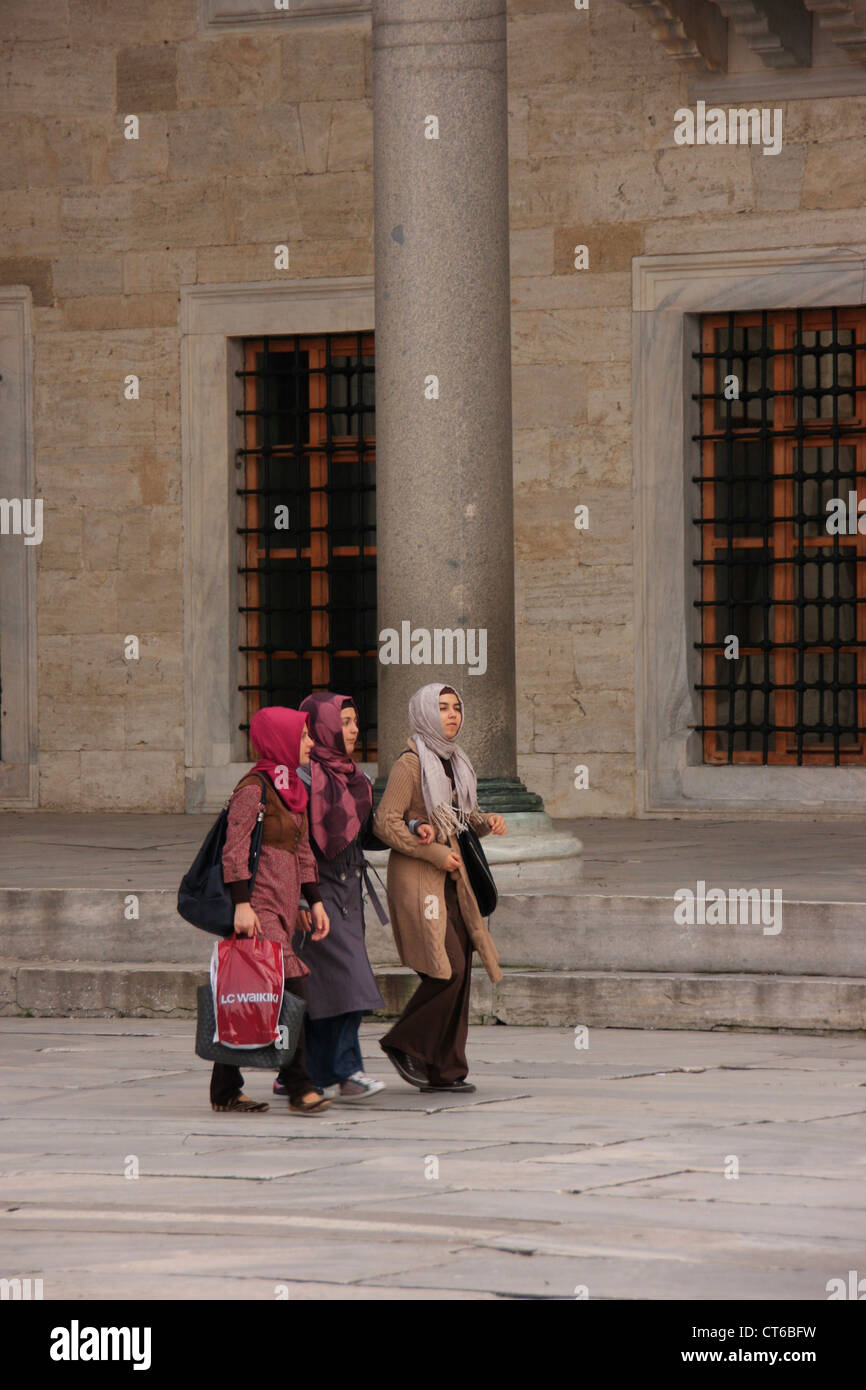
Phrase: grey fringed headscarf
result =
(425, 726)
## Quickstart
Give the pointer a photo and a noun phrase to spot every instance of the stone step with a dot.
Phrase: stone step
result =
(562, 998)
(555, 930)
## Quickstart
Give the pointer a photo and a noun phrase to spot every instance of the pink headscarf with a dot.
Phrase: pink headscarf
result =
(341, 795)
(275, 732)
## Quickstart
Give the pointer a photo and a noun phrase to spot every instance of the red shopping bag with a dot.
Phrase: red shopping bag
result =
(246, 974)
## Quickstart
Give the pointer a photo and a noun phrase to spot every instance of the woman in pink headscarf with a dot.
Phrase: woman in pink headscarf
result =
(342, 987)
(286, 868)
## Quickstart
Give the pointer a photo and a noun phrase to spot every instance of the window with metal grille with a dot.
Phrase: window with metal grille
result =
(309, 573)
(781, 440)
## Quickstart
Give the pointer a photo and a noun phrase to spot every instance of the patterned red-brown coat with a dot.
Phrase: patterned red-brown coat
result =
(280, 874)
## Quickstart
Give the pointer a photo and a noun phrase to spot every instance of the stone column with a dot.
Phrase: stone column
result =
(443, 462)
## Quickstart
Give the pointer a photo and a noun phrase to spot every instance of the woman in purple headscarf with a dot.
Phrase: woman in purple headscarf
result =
(341, 987)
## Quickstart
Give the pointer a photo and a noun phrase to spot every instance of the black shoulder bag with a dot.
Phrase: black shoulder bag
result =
(477, 870)
(476, 866)
(203, 898)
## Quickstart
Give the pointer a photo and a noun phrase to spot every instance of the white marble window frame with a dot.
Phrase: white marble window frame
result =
(19, 780)
(215, 319)
(669, 295)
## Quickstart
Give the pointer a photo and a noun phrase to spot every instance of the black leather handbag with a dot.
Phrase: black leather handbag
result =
(477, 871)
(203, 898)
(272, 1056)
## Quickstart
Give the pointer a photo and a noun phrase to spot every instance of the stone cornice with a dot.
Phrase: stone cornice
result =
(694, 32)
(842, 23)
(689, 30)
(779, 31)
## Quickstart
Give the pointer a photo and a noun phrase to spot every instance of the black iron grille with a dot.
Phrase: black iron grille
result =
(773, 575)
(310, 522)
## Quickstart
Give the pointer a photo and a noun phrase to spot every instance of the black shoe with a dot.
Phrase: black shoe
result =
(449, 1086)
(408, 1067)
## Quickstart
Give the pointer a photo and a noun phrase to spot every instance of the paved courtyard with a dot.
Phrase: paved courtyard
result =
(600, 1168)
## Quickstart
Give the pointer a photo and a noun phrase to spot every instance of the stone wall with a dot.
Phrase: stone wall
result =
(247, 139)
(244, 141)
(593, 161)
(589, 95)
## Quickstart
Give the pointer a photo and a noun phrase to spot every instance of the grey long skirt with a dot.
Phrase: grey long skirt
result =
(341, 979)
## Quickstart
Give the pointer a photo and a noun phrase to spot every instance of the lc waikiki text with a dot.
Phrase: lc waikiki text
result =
(738, 126)
(249, 999)
(445, 646)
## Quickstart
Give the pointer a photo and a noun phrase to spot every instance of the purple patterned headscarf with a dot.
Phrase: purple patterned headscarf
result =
(340, 795)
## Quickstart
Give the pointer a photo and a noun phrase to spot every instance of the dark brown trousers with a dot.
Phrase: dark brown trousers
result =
(434, 1025)
(227, 1082)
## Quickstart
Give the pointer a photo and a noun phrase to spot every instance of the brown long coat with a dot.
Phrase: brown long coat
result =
(416, 878)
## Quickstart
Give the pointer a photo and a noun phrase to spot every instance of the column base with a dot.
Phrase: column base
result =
(506, 795)
(533, 856)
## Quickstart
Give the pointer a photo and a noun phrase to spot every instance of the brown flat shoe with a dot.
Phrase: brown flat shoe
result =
(242, 1102)
(309, 1107)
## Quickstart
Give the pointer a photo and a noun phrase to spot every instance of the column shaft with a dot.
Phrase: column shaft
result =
(443, 465)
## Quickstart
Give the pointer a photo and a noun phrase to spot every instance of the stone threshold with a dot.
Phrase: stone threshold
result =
(555, 929)
(531, 998)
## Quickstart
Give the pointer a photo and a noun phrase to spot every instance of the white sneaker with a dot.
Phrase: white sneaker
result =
(357, 1087)
(330, 1091)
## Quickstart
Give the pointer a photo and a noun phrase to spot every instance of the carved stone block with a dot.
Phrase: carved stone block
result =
(692, 31)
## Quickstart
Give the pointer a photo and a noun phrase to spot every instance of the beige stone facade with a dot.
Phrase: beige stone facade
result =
(249, 137)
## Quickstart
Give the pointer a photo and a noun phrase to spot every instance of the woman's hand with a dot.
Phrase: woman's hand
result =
(497, 824)
(321, 923)
(426, 834)
(246, 921)
(452, 863)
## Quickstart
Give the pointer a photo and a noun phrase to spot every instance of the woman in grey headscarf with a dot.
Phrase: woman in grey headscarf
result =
(434, 915)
